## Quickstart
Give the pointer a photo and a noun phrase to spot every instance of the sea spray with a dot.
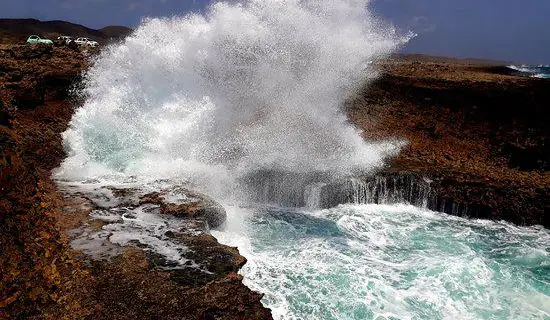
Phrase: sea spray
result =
(244, 88)
(248, 97)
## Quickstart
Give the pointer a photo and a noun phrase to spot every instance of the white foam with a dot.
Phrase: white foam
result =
(389, 261)
(128, 224)
(251, 85)
(535, 71)
(522, 68)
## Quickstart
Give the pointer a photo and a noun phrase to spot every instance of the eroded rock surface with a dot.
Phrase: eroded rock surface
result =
(156, 244)
(42, 276)
(480, 136)
(198, 207)
(479, 132)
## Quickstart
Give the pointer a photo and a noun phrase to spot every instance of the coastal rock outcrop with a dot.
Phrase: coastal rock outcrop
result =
(42, 276)
(38, 271)
(480, 139)
(481, 136)
(199, 207)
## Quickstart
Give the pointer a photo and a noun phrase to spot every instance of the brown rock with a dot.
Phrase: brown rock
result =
(42, 277)
(204, 209)
(466, 130)
(34, 51)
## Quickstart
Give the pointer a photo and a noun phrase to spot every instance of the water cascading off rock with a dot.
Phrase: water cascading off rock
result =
(315, 191)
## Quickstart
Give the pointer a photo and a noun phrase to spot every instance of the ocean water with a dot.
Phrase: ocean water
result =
(391, 262)
(538, 71)
(246, 104)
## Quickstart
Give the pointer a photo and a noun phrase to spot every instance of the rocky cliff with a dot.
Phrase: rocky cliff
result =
(42, 276)
(478, 131)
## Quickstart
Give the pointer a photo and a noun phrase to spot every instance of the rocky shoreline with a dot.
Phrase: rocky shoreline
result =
(42, 275)
(477, 133)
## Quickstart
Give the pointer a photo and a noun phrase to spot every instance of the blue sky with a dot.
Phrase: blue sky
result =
(511, 30)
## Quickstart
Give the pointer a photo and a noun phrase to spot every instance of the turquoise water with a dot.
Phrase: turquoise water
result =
(391, 262)
(540, 71)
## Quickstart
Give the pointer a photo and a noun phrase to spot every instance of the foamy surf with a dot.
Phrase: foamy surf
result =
(391, 262)
(535, 71)
(250, 95)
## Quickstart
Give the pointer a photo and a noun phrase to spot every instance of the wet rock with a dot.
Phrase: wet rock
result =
(200, 208)
(213, 213)
(130, 288)
(153, 198)
(122, 192)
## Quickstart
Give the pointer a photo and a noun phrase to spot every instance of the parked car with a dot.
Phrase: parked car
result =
(36, 39)
(87, 42)
(65, 39)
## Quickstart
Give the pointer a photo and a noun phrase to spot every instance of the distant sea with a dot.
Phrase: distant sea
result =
(540, 71)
